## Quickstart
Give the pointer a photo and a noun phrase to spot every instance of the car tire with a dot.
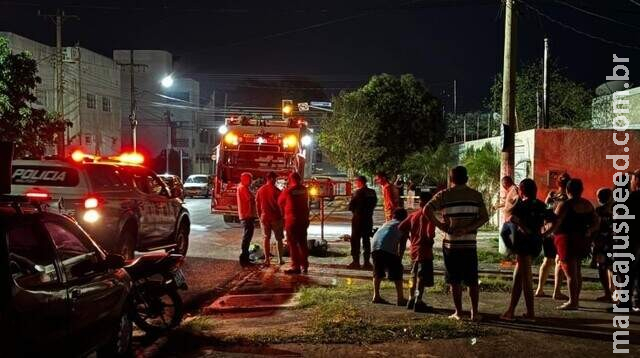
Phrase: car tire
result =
(128, 240)
(182, 240)
(120, 344)
(229, 219)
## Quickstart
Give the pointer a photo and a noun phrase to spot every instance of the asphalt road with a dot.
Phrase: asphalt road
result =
(211, 237)
(214, 247)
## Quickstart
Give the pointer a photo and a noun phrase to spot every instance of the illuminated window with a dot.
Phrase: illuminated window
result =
(91, 100)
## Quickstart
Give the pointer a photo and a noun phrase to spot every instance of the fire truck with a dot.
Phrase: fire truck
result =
(257, 146)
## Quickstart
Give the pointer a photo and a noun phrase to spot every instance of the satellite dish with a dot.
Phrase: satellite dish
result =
(610, 87)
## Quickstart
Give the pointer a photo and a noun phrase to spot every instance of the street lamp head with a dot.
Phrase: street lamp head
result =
(167, 81)
(306, 140)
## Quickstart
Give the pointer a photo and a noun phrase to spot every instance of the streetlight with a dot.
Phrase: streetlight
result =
(167, 81)
(306, 140)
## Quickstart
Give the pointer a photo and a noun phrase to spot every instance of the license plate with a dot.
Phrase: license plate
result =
(178, 277)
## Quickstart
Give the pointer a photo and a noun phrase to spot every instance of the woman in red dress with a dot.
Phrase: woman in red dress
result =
(576, 221)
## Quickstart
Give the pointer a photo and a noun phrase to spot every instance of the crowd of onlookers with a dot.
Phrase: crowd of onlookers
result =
(565, 227)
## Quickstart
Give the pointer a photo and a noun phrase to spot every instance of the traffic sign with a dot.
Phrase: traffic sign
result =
(303, 106)
(320, 104)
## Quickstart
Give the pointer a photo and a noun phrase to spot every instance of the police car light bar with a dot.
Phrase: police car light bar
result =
(131, 158)
(79, 156)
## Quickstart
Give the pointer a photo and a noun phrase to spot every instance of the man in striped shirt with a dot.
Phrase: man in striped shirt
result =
(459, 211)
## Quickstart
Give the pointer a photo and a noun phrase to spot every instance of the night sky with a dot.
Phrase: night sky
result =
(339, 44)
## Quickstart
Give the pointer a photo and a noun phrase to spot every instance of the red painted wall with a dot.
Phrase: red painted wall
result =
(582, 154)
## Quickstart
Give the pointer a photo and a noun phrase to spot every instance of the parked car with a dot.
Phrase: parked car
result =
(197, 185)
(174, 183)
(122, 205)
(61, 295)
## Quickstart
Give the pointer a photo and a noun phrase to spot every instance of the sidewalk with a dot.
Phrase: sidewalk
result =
(323, 314)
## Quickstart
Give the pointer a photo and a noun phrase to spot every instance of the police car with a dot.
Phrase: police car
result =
(120, 203)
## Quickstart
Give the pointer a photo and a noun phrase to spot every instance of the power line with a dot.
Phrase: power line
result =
(635, 2)
(597, 15)
(570, 27)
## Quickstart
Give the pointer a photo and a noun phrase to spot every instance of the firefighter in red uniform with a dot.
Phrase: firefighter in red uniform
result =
(247, 214)
(294, 203)
(270, 216)
(390, 193)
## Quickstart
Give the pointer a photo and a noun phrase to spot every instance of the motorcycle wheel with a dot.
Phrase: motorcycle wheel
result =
(157, 309)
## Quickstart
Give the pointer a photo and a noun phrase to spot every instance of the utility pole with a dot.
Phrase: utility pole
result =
(132, 105)
(79, 95)
(538, 111)
(507, 157)
(455, 102)
(168, 150)
(58, 19)
(464, 128)
(545, 85)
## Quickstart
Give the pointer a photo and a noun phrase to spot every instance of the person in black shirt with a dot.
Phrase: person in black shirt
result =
(362, 204)
(603, 242)
(528, 215)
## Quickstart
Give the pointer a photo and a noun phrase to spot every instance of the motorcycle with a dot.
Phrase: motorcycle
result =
(156, 306)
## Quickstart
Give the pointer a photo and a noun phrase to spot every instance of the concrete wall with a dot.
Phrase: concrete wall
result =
(99, 128)
(581, 153)
(524, 151)
(95, 130)
(542, 153)
(602, 110)
(182, 100)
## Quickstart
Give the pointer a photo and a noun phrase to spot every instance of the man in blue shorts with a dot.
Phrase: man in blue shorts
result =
(387, 253)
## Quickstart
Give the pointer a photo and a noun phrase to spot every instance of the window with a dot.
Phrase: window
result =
(147, 182)
(104, 177)
(106, 104)
(77, 259)
(31, 257)
(197, 179)
(91, 100)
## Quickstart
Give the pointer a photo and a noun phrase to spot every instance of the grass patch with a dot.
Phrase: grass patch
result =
(591, 286)
(488, 227)
(343, 314)
(494, 284)
(487, 284)
(490, 256)
(199, 323)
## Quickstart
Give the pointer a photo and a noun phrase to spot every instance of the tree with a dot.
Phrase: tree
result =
(408, 119)
(569, 101)
(483, 168)
(348, 138)
(430, 166)
(31, 129)
(377, 126)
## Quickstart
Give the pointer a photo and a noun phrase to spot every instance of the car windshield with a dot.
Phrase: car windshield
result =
(198, 179)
